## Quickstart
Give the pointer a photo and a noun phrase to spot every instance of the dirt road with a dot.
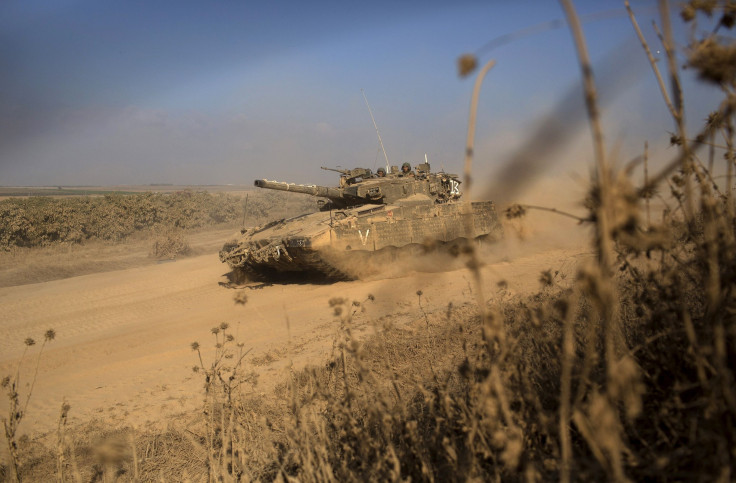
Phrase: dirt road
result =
(122, 351)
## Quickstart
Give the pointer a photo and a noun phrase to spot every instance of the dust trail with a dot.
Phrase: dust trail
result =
(619, 69)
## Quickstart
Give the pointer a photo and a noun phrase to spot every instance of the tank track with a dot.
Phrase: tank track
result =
(274, 262)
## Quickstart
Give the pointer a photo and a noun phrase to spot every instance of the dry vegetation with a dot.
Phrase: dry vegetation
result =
(43, 221)
(45, 238)
(624, 373)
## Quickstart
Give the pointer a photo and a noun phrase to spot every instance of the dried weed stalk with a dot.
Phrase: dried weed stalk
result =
(17, 405)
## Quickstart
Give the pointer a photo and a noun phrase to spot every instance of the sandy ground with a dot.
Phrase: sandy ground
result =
(122, 351)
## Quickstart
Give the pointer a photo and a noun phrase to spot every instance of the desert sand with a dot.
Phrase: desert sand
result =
(122, 352)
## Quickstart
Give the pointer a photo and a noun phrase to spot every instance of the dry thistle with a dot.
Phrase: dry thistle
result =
(65, 407)
(515, 211)
(29, 341)
(687, 13)
(714, 61)
(334, 301)
(714, 120)
(466, 64)
(546, 278)
(241, 298)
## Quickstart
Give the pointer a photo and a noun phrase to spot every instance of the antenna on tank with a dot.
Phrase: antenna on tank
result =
(388, 168)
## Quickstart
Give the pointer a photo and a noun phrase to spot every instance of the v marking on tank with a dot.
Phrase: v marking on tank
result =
(363, 239)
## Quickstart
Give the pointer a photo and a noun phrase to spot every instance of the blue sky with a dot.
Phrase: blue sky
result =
(189, 92)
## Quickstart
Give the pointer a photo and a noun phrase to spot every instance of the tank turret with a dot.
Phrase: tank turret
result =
(359, 186)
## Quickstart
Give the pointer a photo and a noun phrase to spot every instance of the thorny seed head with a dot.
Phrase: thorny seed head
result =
(241, 298)
(648, 192)
(420, 293)
(337, 301)
(546, 278)
(65, 407)
(687, 13)
(678, 180)
(371, 297)
(195, 369)
(714, 120)
(706, 7)
(215, 330)
(714, 60)
(195, 346)
(29, 342)
(6, 381)
(224, 326)
(728, 19)
(230, 338)
(675, 140)
(466, 64)
(50, 335)
(515, 211)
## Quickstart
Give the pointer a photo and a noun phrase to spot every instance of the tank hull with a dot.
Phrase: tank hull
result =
(349, 243)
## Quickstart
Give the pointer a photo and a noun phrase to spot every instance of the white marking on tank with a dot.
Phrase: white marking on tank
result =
(455, 187)
(362, 239)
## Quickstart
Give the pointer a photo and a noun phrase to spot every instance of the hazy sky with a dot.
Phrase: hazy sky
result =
(220, 92)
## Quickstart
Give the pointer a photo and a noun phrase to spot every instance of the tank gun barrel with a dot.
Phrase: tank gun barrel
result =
(314, 190)
(341, 171)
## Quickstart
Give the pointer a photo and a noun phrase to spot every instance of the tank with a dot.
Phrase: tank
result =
(363, 224)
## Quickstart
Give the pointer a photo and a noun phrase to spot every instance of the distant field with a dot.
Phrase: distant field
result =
(32, 221)
(13, 191)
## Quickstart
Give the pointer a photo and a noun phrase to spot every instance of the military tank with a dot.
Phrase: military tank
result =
(365, 222)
